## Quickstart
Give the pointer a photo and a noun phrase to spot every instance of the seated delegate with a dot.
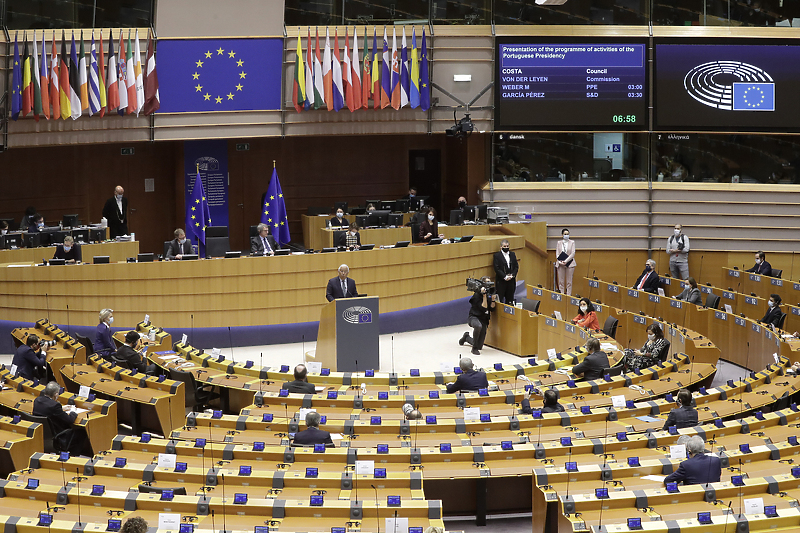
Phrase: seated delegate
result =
(350, 239)
(549, 403)
(312, 435)
(762, 266)
(595, 364)
(648, 281)
(69, 251)
(30, 358)
(699, 468)
(654, 351)
(103, 343)
(339, 221)
(586, 317)
(469, 379)
(691, 293)
(300, 385)
(773, 314)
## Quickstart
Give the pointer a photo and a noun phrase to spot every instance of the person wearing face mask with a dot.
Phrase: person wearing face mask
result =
(685, 416)
(586, 317)
(351, 239)
(37, 223)
(30, 358)
(565, 262)
(505, 273)
(263, 243)
(115, 211)
(648, 281)
(762, 266)
(103, 343)
(27, 219)
(654, 351)
(131, 352)
(3, 227)
(462, 203)
(69, 251)
(412, 192)
(691, 293)
(179, 246)
(773, 316)
(595, 364)
(678, 253)
(370, 208)
(429, 228)
(339, 221)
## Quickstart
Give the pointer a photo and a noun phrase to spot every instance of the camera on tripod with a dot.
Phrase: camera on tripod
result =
(475, 285)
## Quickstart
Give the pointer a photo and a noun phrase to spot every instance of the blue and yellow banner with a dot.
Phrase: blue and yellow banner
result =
(203, 75)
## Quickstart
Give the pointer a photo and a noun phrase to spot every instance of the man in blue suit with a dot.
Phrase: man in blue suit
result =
(762, 266)
(341, 286)
(699, 468)
(469, 379)
(312, 435)
(30, 357)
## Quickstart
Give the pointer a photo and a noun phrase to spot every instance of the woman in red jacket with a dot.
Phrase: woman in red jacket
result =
(586, 317)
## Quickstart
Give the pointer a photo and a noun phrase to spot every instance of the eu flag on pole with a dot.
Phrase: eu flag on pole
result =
(273, 211)
(198, 216)
(16, 83)
(754, 97)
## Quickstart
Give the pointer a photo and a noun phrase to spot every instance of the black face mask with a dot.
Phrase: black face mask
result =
(505, 250)
(462, 205)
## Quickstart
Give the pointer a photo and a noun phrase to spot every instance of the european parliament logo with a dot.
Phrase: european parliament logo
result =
(358, 314)
(754, 97)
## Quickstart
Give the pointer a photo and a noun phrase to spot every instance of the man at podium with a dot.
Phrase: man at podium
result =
(341, 286)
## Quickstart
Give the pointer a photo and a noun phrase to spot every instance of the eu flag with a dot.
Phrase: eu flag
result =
(754, 97)
(198, 216)
(273, 212)
(202, 75)
(16, 83)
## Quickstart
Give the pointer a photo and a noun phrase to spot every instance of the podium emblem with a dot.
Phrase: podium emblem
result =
(357, 314)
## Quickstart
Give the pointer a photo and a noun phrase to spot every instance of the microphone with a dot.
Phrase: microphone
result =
(230, 341)
(700, 275)
(626, 271)
(303, 340)
(591, 287)
(67, 320)
(47, 303)
(78, 493)
(377, 511)
(192, 340)
(392, 354)
(224, 513)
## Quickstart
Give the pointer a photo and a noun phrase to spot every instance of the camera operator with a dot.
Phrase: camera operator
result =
(482, 302)
(31, 357)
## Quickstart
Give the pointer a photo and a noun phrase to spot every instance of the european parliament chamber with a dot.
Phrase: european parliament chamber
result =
(182, 179)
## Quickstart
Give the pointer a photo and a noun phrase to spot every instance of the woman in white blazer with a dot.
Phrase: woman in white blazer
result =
(566, 268)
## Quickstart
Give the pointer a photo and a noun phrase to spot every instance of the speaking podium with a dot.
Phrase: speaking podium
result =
(349, 331)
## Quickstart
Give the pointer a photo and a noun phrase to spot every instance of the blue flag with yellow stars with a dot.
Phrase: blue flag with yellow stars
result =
(198, 216)
(273, 212)
(202, 75)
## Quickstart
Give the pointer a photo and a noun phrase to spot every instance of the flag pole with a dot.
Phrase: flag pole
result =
(273, 163)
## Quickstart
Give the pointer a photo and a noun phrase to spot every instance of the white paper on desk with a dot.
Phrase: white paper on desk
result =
(366, 468)
(314, 367)
(396, 525)
(661, 292)
(728, 309)
(777, 359)
(78, 410)
(184, 339)
(563, 371)
(216, 352)
(84, 391)
(558, 315)
(187, 365)
(169, 521)
(677, 452)
(13, 370)
(337, 436)
(169, 357)
(301, 413)
(444, 366)
(318, 388)
(787, 336)
(607, 346)
(654, 477)
(167, 460)
(753, 505)
(551, 353)
(618, 401)
(472, 413)
(647, 418)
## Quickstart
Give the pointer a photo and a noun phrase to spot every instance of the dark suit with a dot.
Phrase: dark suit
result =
(337, 222)
(765, 269)
(773, 316)
(28, 361)
(176, 248)
(257, 245)
(469, 381)
(334, 289)
(526, 408)
(681, 417)
(300, 387)
(33, 228)
(74, 253)
(697, 470)
(103, 343)
(426, 227)
(60, 421)
(134, 359)
(117, 222)
(505, 289)
(652, 283)
(593, 366)
(312, 436)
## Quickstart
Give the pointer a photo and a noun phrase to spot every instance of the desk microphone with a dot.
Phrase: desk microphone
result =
(303, 355)
(47, 303)
(700, 275)
(67, 320)
(191, 342)
(230, 341)
(626, 271)
(377, 511)
(78, 491)
(224, 513)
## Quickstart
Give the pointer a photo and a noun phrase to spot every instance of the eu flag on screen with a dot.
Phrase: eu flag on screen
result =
(754, 97)
(198, 216)
(203, 75)
(273, 212)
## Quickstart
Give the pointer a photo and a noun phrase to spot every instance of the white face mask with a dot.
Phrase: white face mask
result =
(181, 241)
(340, 215)
(566, 237)
(353, 233)
(431, 217)
(40, 224)
(67, 248)
(758, 261)
(677, 232)
(651, 337)
(584, 308)
(771, 304)
(3, 231)
(110, 320)
(118, 196)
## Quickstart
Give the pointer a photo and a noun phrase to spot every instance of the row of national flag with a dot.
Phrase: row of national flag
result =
(396, 78)
(71, 85)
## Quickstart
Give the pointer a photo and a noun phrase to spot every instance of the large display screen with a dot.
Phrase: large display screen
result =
(570, 84)
(734, 87)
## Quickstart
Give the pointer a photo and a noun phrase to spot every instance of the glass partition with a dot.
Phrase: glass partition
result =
(77, 14)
